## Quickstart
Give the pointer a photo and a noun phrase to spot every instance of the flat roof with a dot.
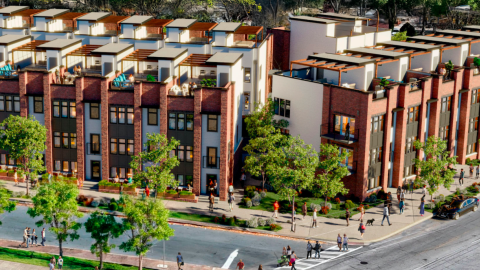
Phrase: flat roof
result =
(168, 53)
(312, 19)
(227, 27)
(341, 16)
(10, 39)
(59, 44)
(137, 19)
(224, 58)
(27, 12)
(181, 23)
(450, 41)
(474, 27)
(459, 33)
(12, 9)
(113, 48)
(383, 53)
(51, 13)
(341, 58)
(416, 46)
(94, 16)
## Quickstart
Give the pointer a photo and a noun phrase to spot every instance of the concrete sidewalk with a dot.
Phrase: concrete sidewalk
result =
(6, 265)
(328, 228)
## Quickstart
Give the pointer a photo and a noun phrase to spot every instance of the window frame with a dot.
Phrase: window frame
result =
(92, 150)
(172, 117)
(93, 107)
(130, 145)
(150, 112)
(189, 119)
(37, 100)
(213, 119)
(73, 141)
(57, 135)
(113, 142)
(210, 164)
(245, 72)
(282, 107)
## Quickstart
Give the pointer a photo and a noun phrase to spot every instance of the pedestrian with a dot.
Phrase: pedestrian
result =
(399, 190)
(25, 236)
(309, 249)
(147, 191)
(404, 187)
(240, 265)
(424, 190)
(284, 251)
(411, 186)
(276, 205)
(422, 206)
(362, 212)
(52, 260)
(314, 218)
(402, 196)
(317, 249)
(389, 196)
(211, 201)
(231, 199)
(60, 262)
(230, 188)
(345, 242)
(361, 228)
(339, 242)
(28, 237)
(293, 259)
(304, 209)
(385, 215)
(289, 252)
(34, 238)
(43, 237)
(15, 178)
(215, 187)
(401, 205)
(243, 179)
(462, 175)
(478, 171)
(52, 266)
(180, 261)
(347, 216)
(471, 170)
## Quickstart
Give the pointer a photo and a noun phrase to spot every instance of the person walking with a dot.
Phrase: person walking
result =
(309, 249)
(399, 190)
(179, 261)
(43, 237)
(347, 216)
(230, 188)
(231, 199)
(339, 242)
(34, 238)
(424, 190)
(15, 178)
(411, 186)
(28, 237)
(304, 209)
(317, 249)
(478, 171)
(401, 205)
(52, 260)
(260, 267)
(471, 170)
(60, 262)
(389, 196)
(362, 212)
(293, 259)
(147, 192)
(284, 251)
(289, 252)
(422, 206)
(25, 236)
(240, 265)
(211, 202)
(276, 205)
(361, 228)
(345, 242)
(386, 213)
(51, 266)
(462, 175)
(243, 179)
(314, 218)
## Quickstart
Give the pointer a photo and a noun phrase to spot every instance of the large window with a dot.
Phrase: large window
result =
(409, 170)
(121, 115)
(64, 109)
(56, 140)
(38, 104)
(409, 145)
(212, 123)
(9, 103)
(94, 111)
(344, 124)
(444, 133)
(475, 96)
(95, 143)
(180, 121)
(212, 157)
(374, 182)
(153, 116)
(6, 160)
(184, 180)
(446, 104)
(472, 148)
(246, 104)
(412, 115)
(375, 156)
(281, 107)
(120, 172)
(349, 159)
(65, 166)
(121, 146)
(377, 124)
(473, 125)
(248, 75)
(65, 140)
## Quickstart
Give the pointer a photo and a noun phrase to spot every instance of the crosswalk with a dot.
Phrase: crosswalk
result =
(325, 256)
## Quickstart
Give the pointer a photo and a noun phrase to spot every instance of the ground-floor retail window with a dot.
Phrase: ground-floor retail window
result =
(184, 180)
(65, 166)
(120, 172)
(374, 182)
(472, 148)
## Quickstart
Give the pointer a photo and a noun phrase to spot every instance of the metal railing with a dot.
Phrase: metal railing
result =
(332, 132)
(94, 148)
(211, 162)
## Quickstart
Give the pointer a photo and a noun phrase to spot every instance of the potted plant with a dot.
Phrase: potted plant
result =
(171, 193)
(476, 62)
(281, 124)
(384, 82)
(3, 173)
(449, 67)
(103, 184)
(184, 194)
(10, 173)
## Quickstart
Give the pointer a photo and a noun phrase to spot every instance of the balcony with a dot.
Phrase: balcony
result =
(331, 132)
(352, 168)
(415, 84)
(94, 148)
(211, 162)
(122, 85)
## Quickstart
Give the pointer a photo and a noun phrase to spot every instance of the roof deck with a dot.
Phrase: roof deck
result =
(94, 16)
(52, 13)
(12, 10)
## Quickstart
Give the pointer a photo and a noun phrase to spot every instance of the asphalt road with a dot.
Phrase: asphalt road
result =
(433, 244)
(198, 246)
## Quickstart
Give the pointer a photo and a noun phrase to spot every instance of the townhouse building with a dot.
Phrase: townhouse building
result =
(339, 98)
(97, 119)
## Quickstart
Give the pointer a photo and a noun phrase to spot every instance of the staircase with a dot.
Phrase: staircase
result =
(90, 185)
(204, 199)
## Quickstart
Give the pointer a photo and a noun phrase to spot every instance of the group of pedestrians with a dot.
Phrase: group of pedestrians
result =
(342, 242)
(59, 263)
(30, 237)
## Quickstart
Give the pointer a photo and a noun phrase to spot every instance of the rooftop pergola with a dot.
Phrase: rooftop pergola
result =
(114, 20)
(84, 51)
(250, 30)
(139, 55)
(203, 27)
(30, 47)
(158, 23)
(195, 60)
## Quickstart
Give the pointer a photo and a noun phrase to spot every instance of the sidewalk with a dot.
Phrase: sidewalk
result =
(6, 265)
(328, 228)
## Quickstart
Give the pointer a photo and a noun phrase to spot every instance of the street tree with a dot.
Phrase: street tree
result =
(328, 182)
(437, 169)
(24, 139)
(155, 163)
(5, 203)
(56, 203)
(102, 228)
(294, 170)
(145, 220)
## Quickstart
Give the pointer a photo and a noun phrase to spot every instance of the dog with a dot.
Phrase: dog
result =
(370, 221)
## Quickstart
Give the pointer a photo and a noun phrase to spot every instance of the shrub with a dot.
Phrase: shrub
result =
(246, 199)
(185, 192)
(468, 161)
(349, 204)
(252, 223)
(112, 200)
(231, 221)
(457, 191)
(367, 207)
(312, 206)
(171, 191)
(250, 188)
(216, 220)
(262, 222)
(381, 194)
(249, 204)
(250, 194)
(263, 194)
(269, 221)
(235, 218)
(325, 210)
(474, 184)
(224, 218)
(95, 203)
(256, 200)
(337, 200)
(273, 227)
(113, 206)
(329, 205)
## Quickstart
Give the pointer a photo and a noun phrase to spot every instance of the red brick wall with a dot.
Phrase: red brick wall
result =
(211, 100)
(179, 103)
(47, 104)
(150, 94)
(92, 89)
(105, 137)
(9, 86)
(281, 48)
(197, 140)
(80, 108)
(22, 85)
(137, 110)
(120, 98)
(63, 91)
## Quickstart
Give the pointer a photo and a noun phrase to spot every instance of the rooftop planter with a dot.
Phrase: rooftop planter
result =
(449, 67)
(476, 63)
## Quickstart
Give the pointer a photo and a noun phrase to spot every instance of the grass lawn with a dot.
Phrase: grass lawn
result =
(42, 259)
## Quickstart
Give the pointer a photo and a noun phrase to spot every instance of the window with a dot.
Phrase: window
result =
(57, 165)
(94, 111)
(65, 140)
(473, 126)
(130, 116)
(56, 109)
(16, 104)
(409, 145)
(472, 148)
(181, 153)
(189, 180)
(73, 110)
(412, 115)
(9, 103)
(64, 109)
(344, 125)
(2, 103)
(113, 172)
(73, 140)
(120, 172)
(171, 121)
(212, 123)
(349, 160)
(56, 140)
(189, 154)
(248, 76)
(121, 146)
(409, 170)
(113, 115)
(73, 166)
(374, 182)
(152, 117)
(113, 146)
(38, 104)
(189, 122)
(181, 121)
(95, 143)
(475, 96)
(65, 166)
(130, 147)
(212, 157)
(3, 159)
(444, 133)
(121, 115)
(180, 179)
(375, 156)
(377, 124)
(446, 104)
(281, 107)
(246, 105)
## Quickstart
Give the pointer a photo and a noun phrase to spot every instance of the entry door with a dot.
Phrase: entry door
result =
(211, 178)
(96, 173)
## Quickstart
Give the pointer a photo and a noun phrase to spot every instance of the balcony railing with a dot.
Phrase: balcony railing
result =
(211, 162)
(352, 168)
(94, 148)
(336, 133)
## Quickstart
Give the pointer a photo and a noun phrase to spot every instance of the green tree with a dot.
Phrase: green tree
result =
(56, 203)
(24, 139)
(294, 169)
(437, 169)
(388, 8)
(146, 220)
(102, 227)
(5, 203)
(328, 182)
(157, 161)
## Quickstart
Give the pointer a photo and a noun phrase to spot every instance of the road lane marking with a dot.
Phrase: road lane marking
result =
(230, 259)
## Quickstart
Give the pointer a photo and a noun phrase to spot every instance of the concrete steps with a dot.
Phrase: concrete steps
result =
(205, 199)
(90, 185)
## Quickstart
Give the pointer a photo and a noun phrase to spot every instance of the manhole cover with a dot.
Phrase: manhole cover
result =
(363, 262)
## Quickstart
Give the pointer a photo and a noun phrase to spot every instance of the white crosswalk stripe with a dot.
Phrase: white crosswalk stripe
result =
(325, 256)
